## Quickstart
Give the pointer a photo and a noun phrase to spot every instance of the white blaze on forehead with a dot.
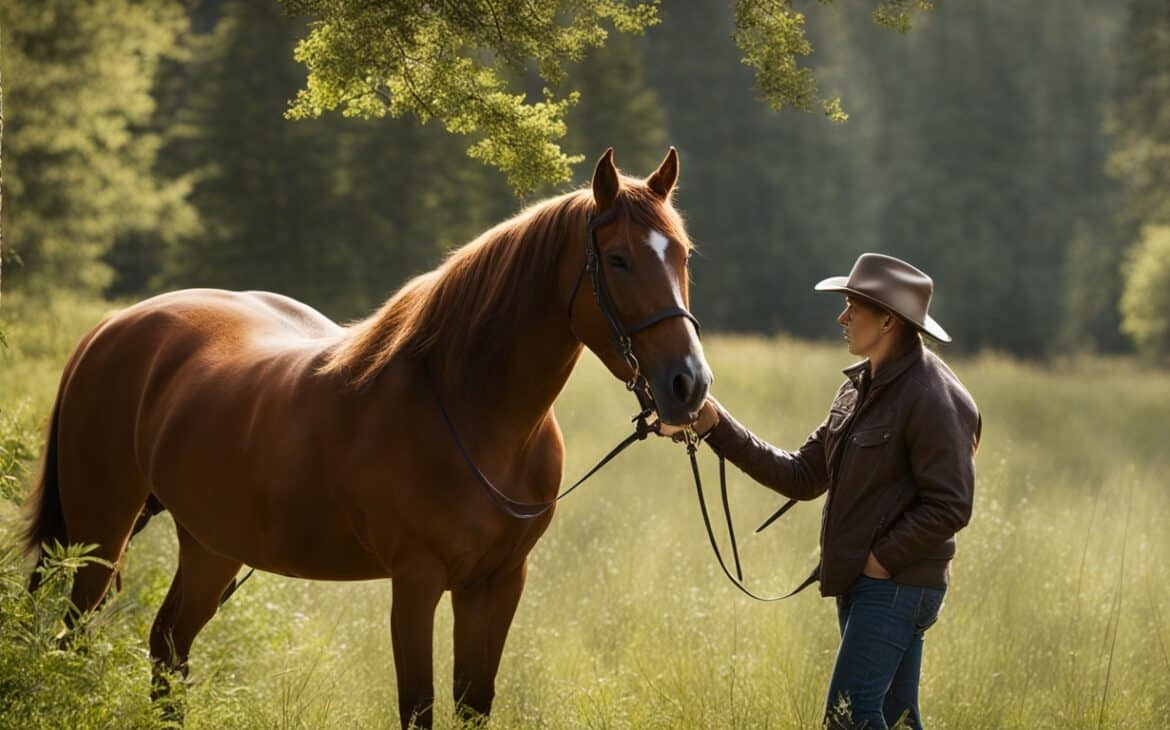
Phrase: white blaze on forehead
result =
(658, 242)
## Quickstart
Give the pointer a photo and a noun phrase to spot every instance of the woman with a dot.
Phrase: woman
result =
(896, 456)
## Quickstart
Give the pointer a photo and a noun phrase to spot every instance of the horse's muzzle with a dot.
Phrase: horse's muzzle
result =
(679, 391)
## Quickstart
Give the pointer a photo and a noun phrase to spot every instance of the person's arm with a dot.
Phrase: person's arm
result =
(942, 436)
(801, 474)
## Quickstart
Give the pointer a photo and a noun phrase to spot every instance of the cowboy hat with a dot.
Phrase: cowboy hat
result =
(891, 283)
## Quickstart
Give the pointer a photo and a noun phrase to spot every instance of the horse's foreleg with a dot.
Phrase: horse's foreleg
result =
(483, 615)
(412, 620)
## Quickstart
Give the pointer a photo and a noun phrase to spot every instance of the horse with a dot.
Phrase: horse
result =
(281, 440)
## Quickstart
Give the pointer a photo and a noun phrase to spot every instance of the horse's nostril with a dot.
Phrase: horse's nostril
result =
(683, 385)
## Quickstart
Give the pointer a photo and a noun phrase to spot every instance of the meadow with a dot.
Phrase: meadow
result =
(1056, 616)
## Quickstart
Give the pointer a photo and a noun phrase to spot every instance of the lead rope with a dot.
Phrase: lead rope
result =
(692, 441)
(727, 514)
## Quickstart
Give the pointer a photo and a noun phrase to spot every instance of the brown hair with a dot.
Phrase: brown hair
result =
(909, 329)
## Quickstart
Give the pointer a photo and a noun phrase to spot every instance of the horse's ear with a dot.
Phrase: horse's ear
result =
(664, 178)
(605, 181)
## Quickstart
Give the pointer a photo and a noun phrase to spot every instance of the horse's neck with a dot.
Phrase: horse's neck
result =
(509, 395)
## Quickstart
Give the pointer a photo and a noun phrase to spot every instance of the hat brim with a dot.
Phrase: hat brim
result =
(838, 284)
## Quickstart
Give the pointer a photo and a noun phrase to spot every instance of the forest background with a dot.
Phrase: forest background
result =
(1016, 152)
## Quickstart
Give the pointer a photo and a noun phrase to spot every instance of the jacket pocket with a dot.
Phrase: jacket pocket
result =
(872, 437)
(899, 495)
(863, 454)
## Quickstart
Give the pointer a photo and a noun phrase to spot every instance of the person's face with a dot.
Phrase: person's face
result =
(865, 325)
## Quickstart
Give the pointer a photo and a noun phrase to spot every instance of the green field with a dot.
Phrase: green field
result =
(1056, 616)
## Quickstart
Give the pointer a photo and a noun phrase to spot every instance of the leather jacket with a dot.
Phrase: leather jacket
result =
(896, 454)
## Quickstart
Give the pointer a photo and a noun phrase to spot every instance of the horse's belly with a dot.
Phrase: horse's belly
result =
(304, 538)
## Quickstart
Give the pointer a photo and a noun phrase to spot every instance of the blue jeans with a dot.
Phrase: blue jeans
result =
(880, 657)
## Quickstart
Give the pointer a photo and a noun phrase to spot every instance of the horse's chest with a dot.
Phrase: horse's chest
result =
(501, 548)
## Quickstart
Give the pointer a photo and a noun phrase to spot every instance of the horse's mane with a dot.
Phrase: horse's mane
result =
(473, 297)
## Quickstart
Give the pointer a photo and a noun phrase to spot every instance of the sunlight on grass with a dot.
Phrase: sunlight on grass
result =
(627, 621)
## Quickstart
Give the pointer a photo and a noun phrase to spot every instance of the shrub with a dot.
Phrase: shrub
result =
(1145, 301)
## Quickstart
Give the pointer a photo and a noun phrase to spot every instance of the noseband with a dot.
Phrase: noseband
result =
(623, 337)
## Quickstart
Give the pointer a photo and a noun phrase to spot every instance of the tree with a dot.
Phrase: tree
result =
(1138, 116)
(1145, 303)
(448, 61)
(334, 212)
(617, 108)
(80, 165)
(768, 196)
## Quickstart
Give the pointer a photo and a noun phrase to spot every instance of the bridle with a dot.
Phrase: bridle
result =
(622, 336)
(624, 343)
(637, 384)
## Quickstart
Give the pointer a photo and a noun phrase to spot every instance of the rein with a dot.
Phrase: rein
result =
(623, 341)
(736, 580)
(528, 510)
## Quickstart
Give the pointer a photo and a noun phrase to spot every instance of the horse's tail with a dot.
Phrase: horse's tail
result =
(46, 520)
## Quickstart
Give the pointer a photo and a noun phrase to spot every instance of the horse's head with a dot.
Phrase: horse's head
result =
(641, 252)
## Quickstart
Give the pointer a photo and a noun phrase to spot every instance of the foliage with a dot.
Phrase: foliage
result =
(1145, 302)
(771, 34)
(43, 686)
(18, 444)
(974, 150)
(618, 108)
(1139, 113)
(3, 342)
(449, 62)
(1091, 288)
(333, 212)
(78, 148)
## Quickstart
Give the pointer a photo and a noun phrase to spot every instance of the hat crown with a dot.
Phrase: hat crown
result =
(892, 283)
(897, 284)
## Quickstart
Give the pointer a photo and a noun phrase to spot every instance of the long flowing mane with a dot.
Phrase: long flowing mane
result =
(473, 297)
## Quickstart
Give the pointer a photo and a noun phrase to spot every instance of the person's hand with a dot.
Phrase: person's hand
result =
(704, 422)
(874, 569)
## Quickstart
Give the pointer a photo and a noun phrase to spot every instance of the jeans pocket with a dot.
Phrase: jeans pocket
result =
(929, 607)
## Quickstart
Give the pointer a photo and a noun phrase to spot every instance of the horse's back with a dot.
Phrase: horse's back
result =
(218, 313)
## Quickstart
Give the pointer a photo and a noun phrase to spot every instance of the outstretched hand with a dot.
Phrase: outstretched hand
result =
(706, 420)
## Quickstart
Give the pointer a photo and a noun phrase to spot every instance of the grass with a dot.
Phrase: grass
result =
(1055, 617)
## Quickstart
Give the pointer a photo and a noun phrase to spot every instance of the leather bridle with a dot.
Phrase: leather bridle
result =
(623, 341)
(622, 335)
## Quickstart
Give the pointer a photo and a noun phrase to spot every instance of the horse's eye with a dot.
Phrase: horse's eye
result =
(617, 261)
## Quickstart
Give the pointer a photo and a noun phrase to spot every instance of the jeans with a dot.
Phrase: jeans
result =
(880, 657)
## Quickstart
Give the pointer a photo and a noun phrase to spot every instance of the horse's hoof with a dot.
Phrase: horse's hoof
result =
(167, 687)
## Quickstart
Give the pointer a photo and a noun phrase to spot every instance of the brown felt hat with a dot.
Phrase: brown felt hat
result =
(891, 283)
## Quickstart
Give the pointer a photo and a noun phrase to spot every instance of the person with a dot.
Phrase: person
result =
(896, 456)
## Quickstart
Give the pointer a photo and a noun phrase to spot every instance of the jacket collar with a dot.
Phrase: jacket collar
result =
(859, 371)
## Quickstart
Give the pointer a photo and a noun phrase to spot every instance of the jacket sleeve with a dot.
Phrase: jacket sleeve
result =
(802, 474)
(942, 435)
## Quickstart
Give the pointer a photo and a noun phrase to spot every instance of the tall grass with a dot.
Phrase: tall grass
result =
(1055, 617)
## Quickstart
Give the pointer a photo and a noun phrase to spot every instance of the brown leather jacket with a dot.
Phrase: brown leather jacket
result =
(897, 457)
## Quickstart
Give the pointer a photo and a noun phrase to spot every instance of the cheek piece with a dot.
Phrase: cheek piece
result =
(622, 336)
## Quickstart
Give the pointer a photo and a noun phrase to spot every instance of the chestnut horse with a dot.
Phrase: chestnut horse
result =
(279, 440)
